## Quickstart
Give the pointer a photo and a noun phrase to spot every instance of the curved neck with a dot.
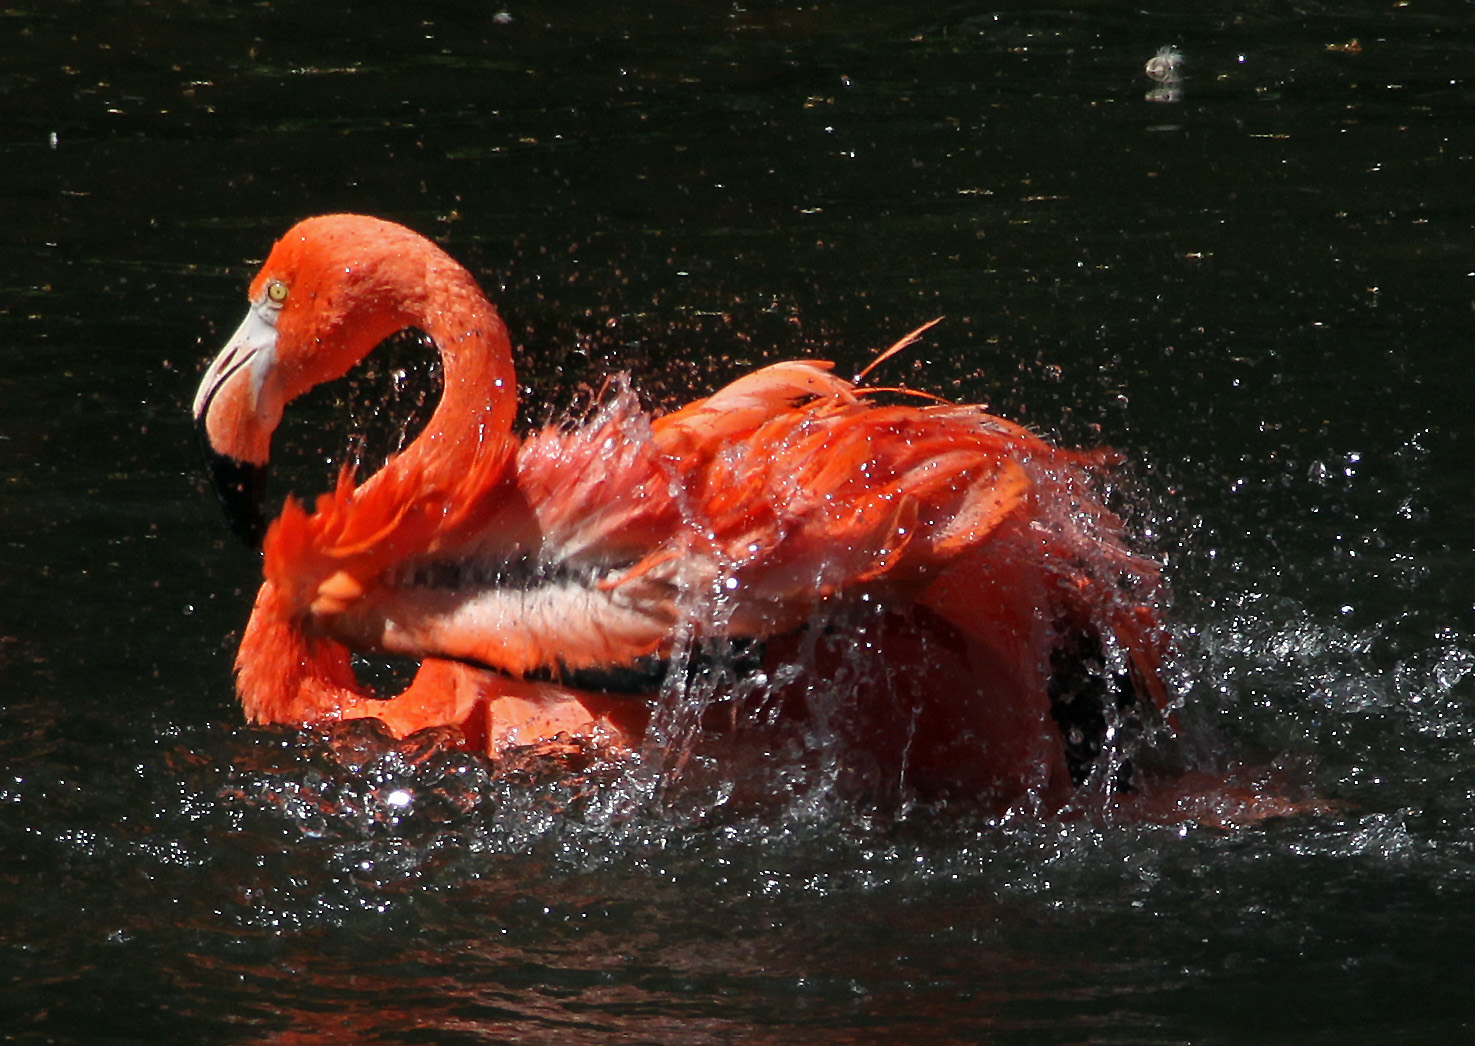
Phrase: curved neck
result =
(429, 494)
(470, 430)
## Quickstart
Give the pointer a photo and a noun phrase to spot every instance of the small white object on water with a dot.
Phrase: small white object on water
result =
(1166, 67)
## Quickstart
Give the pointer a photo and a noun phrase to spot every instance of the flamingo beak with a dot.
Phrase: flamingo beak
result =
(235, 412)
(241, 488)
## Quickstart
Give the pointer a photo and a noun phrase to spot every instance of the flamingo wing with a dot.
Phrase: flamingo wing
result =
(750, 509)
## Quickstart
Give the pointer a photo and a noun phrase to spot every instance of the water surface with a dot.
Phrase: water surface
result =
(1261, 293)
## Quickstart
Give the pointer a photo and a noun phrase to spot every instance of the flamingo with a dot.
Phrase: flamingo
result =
(548, 584)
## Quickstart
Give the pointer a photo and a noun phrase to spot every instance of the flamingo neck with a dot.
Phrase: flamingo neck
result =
(471, 428)
(433, 492)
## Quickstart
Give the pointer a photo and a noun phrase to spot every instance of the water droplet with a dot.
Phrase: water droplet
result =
(399, 798)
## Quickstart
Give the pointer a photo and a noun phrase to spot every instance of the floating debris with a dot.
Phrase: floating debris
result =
(1166, 67)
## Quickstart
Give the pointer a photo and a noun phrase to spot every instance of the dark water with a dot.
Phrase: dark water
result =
(1261, 292)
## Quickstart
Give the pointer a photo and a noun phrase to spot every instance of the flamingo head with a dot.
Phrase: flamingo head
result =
(331, 290)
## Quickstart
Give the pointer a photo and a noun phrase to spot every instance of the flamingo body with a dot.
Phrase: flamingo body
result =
(789, 511)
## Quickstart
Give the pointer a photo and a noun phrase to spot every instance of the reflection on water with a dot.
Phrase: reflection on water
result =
(1264, 304)
(1166, 67)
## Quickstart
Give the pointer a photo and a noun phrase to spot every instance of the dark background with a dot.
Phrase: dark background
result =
(1261, 293)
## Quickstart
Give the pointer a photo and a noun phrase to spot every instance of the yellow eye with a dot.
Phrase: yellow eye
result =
(276, 292)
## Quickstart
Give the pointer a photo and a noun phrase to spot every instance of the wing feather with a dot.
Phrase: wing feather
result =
(777, 493)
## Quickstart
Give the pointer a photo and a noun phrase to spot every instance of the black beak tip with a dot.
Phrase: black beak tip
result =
(241, 487)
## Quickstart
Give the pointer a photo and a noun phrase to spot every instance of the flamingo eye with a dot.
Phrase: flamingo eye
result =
(276, 292)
